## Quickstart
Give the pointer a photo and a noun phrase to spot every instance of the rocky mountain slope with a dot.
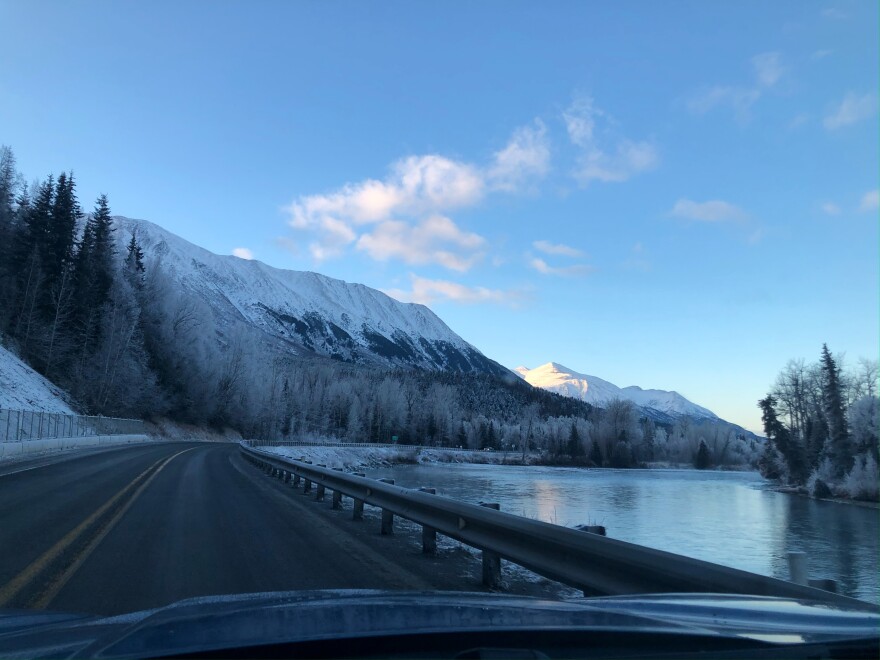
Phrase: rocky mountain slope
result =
(305, 313)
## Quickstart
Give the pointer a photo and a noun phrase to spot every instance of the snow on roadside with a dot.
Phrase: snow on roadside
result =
(356, 458)
(22, 388)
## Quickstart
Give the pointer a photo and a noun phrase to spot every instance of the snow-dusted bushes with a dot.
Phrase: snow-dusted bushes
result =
(863, 481)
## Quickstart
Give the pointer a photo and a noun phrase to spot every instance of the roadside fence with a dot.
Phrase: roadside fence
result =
(24, 425)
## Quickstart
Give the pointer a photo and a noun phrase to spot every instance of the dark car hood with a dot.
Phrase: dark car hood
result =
(225, 622)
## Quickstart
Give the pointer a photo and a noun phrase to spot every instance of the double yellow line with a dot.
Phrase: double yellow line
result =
(136, 486)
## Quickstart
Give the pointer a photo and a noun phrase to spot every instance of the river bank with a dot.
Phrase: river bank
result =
(350, 458)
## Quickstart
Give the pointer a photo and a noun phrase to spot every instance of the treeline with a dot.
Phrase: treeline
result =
(67, 303)
(83, 304)
(822, 422)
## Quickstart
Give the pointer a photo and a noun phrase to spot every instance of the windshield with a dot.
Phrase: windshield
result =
(529, 299)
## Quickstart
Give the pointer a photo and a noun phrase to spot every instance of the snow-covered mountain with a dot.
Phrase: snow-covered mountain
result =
(304, 313)
(562, 380)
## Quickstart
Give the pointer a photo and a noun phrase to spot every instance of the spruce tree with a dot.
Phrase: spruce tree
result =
(104, 251)
(596, 454)
(8, 185)
(62, 229)
(575, 450)
(838, 447)
(702, 460)
(27, 260)
(779, 435)
(134, 261)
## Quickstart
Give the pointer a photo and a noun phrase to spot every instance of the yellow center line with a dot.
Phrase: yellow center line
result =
(58, 583)
(14, 586)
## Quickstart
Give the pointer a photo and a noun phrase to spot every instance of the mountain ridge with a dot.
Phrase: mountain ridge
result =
(558, 378)
(307, 313)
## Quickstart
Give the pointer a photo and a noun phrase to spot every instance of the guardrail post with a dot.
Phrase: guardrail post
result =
(797, 567)
(307, 486)
(319, 488)
(357, 510)
(295, 480)
(825, 584)
(491, 560)
(429, 534)
(387, 526)
(336, 503)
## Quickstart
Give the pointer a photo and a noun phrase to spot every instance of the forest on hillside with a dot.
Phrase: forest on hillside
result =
(83, 307)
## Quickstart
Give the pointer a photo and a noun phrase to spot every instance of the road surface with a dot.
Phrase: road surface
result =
(143, 526)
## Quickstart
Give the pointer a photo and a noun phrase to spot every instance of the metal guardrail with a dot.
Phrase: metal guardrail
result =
(24, 425)
(593, 563)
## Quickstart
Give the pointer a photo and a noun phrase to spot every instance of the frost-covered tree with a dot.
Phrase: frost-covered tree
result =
(830, 441)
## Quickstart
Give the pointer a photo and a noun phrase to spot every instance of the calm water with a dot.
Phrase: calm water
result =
(729, 518)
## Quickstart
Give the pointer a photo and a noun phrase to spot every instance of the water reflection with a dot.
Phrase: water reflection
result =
(725, 517)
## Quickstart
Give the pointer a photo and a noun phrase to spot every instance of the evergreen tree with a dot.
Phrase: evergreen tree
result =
(838, 447)
(701, 459)
(596, 454)
(62, 230)
(26, 260)
(575, 449)
(9, 229)
(134, 261)
(8, 185)
(779, 435)
(103, 252)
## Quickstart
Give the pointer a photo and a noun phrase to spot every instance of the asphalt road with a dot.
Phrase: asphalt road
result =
(139, 527)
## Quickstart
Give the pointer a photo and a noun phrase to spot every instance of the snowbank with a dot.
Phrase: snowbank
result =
(355, 458)
(22, 388)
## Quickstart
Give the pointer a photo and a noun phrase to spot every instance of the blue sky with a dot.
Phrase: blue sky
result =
(679, 195)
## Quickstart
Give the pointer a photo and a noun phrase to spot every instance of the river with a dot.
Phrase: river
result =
(730, 518)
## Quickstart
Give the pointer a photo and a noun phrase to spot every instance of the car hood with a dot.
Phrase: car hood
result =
(228, 622)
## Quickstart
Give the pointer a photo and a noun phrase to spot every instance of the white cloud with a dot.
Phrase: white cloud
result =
(556, 248)
(834, 13)
(427, 291)
(580, 120)
(604, 157)
(406, 203)
(852, 109)
(768, 68)
(243, 253)
(436, 240)
(629, 159)
(870, 201)
(526, 157)
(830, 208)
(637, 259)
(544, 268)
(798, 121)
(710, 211)
(741, 99)
(821, 54)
